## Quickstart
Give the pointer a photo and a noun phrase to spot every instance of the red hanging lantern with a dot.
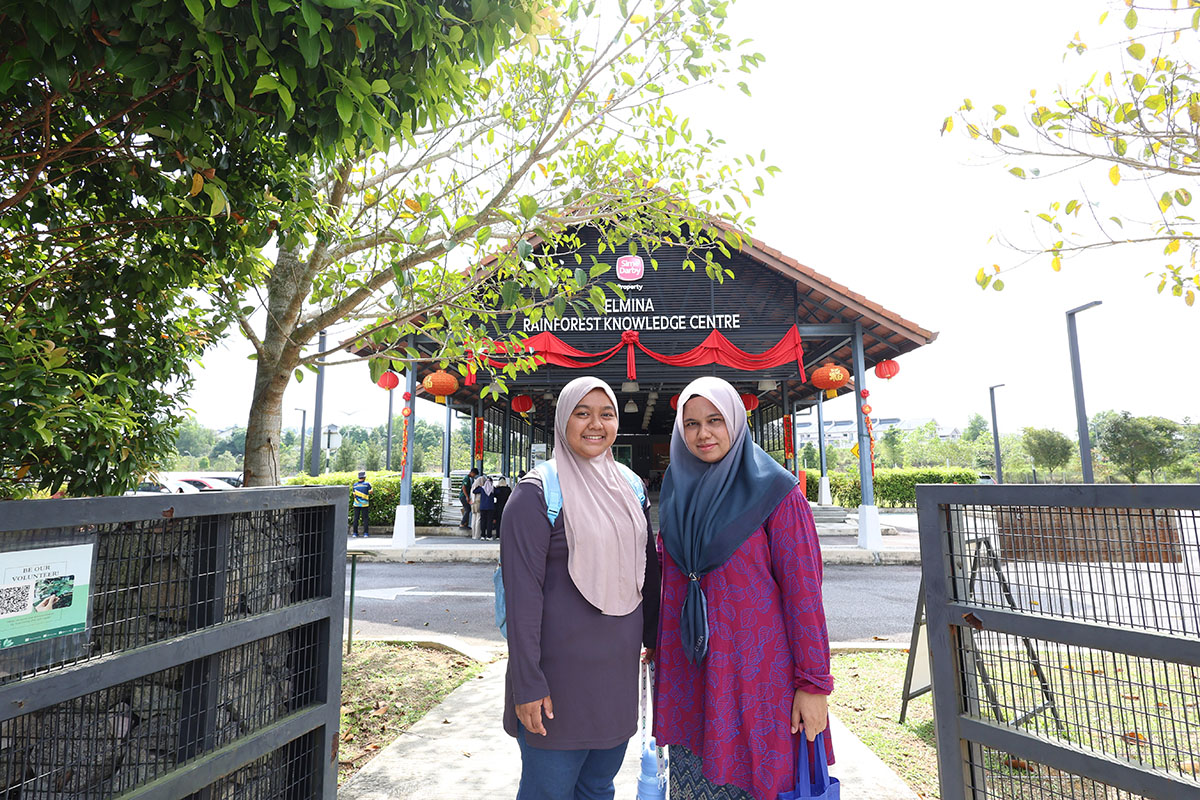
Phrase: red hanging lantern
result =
(866, 409)
(406, 412)
(675, 402)
(830, 377)
(749, 400)
(886, 369)
(388, 380)
(522, 403)
(440, 384)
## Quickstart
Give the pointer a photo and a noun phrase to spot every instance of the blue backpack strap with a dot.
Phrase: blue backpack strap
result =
(635, 483)
(547, 471)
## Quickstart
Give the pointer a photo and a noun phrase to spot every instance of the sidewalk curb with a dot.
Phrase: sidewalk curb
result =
(489, 554)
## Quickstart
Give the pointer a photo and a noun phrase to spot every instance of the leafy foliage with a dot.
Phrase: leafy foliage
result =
(1137, 444)
(1048, 448)
(385, 495)
(1134, 123)
(155, 144)
(454, 231)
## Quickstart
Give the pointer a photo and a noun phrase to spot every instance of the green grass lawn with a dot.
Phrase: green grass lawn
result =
(385, 689)
(1133, 709)
(866, 699)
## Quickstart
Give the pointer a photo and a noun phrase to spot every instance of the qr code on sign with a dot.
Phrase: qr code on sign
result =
(15, 599)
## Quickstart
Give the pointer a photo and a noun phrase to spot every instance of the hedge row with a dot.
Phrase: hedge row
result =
(894, 487)
(385, 495)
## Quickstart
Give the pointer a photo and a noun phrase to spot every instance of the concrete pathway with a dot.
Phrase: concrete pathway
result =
(459, 749)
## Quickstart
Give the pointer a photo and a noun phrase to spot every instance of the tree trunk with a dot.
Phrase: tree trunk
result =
(261, 464)
(279, 355)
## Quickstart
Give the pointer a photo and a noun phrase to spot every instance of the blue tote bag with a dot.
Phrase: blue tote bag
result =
(812, 780)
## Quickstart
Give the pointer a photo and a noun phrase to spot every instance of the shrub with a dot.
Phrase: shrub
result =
(845, 489)
(894, 487)
(812, 486)
(898, 487)
(385, 494)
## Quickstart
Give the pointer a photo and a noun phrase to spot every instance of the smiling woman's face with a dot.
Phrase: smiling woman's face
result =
(592, 426)
(704, 430)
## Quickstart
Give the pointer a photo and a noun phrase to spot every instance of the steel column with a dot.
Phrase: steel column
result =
(996, 433)
(314, 467)
(864, 438)
(1081, 420)
(411, 405)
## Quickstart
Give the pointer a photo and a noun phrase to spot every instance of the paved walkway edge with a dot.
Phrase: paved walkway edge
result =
(459, 749)
(484, 553)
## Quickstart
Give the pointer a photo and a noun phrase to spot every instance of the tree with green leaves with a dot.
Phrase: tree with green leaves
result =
(1047, 448)
(976, 427)
(466, 220)
(1137, 444)
(148, 149)
(1133, 124)
(891, 447)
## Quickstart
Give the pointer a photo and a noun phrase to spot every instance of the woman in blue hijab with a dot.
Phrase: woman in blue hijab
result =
(743, 651)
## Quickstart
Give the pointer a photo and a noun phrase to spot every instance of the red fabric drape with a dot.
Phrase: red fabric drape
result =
(715, 349)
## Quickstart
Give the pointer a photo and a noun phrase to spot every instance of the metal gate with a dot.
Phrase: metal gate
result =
(1064, 633)
(172, 646)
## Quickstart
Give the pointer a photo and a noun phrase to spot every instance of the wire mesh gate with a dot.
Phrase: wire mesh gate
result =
(1064, 630)
(196, 649)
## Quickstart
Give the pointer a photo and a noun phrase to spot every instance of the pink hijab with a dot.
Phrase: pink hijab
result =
(605, 524)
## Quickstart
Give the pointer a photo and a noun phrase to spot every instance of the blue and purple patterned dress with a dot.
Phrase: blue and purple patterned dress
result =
(767, 639)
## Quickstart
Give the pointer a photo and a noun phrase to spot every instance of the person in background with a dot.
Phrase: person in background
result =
(743, 650)
(501, 495)
(464, 497)
(485, 504)
(581, 596)
(360, 494)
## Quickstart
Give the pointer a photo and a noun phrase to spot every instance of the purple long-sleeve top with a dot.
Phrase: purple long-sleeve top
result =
(559, 644)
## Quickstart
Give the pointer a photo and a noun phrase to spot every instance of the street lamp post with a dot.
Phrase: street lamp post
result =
(996, 433)
(303, 424)
(314, 468)
(1081, 420)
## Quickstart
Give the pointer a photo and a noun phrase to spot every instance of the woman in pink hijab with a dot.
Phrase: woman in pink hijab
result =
(581, 583)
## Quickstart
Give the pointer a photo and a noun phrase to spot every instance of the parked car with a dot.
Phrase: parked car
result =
(209, 484)
(987, 479)
(151, 486)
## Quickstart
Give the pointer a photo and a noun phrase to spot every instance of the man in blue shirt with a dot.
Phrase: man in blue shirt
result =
(360, 500)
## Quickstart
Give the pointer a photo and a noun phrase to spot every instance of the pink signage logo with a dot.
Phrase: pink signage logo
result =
(630, 268)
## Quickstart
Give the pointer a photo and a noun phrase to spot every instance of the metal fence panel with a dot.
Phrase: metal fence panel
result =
(211, 642)
(1064, 626)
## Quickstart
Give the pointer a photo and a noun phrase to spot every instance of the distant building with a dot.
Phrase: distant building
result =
(843, 431)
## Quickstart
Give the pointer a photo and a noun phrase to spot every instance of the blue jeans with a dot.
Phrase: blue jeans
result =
(567, 774)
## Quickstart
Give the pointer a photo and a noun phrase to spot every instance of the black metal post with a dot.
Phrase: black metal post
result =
(303, 423)
(1081, 420)
(821, 430)
(314, 467)
(350, 619)
(996, 433)
(506, 445)
(446, 439)
(411, 405)
(865, 478)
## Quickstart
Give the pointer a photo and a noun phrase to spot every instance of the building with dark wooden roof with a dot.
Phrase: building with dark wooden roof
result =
(765, 330)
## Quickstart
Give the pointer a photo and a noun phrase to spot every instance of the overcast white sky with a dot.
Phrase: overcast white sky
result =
(849, 104)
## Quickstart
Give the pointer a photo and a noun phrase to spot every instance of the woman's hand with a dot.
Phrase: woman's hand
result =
(810, 712)
(648, 655)
(530, 714)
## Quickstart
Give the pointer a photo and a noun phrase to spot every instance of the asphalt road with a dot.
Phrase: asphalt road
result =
(412, 601)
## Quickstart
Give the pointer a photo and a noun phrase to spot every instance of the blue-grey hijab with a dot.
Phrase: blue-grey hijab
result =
(709, 510)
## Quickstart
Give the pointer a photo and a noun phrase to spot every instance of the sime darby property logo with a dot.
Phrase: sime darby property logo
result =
(630, 268)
